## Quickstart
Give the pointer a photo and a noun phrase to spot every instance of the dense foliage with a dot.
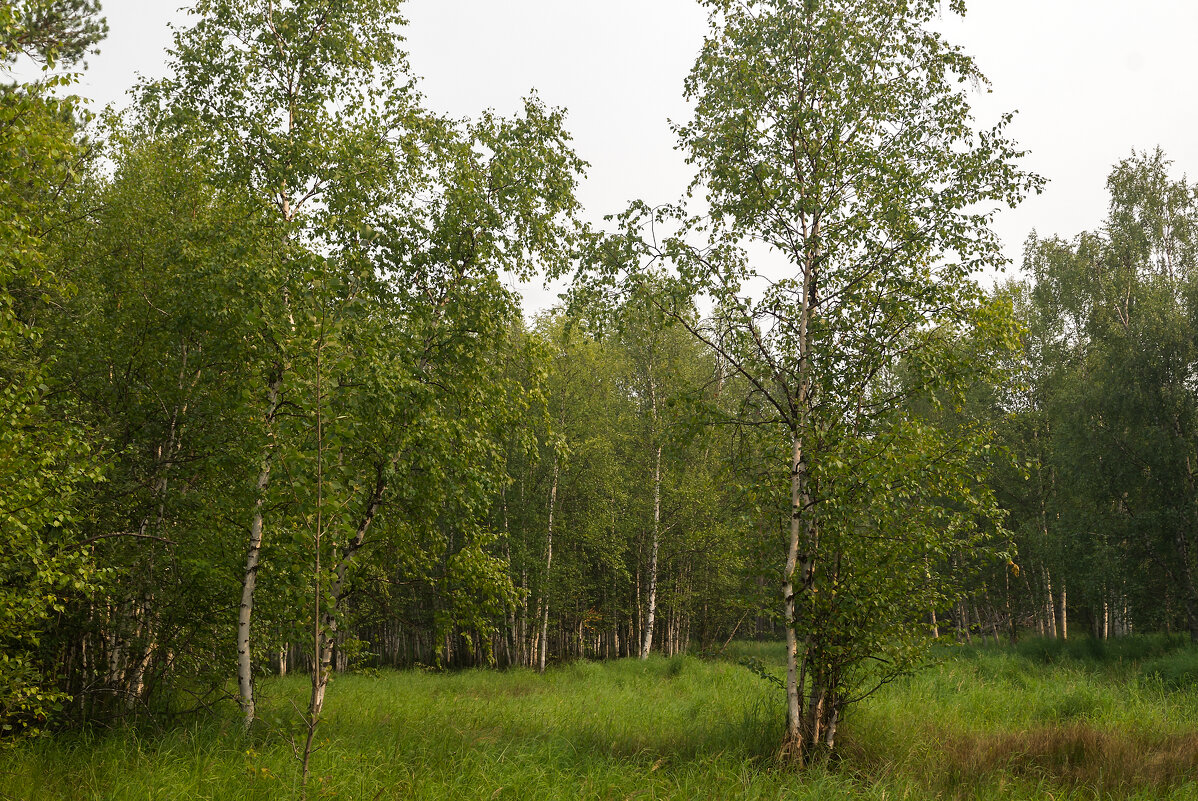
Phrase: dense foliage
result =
(1104, 415)
(46, 450)
(268, 402)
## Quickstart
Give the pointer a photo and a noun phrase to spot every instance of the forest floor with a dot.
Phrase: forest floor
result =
(1042, 720)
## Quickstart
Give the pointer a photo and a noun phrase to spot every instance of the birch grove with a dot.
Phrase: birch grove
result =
(271, 403)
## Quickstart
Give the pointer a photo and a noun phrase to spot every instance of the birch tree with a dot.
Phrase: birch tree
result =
(838, 137)
(310, 107)
(47, 456)
(1114, 317)
(297, 99)
(659, 368)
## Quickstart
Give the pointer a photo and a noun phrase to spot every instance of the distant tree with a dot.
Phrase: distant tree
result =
(50, 32)
(1116, 312)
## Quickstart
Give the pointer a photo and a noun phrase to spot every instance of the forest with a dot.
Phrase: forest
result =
(286, 471)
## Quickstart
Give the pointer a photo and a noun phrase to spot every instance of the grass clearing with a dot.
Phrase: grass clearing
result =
(1038, 721)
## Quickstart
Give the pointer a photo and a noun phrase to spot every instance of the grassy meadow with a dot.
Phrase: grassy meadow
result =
(1042, 720)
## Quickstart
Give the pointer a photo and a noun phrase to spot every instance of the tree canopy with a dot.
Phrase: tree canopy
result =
(269, 402)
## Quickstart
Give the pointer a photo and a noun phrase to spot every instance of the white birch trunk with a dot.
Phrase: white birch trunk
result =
(801, 528)
(647, 645)
(1050, 606)
(1064, 616)
(543, 658)
(793, 710)
(245, 612)
(927, 572)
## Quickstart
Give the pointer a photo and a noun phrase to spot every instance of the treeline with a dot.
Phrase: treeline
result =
(611, 515)
(269, 403)
(1101, 417)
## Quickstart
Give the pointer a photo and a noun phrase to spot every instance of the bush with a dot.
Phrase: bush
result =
(1178, 669)
(1133, 649)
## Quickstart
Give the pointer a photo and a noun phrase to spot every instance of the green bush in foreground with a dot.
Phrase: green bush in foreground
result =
(984, 723)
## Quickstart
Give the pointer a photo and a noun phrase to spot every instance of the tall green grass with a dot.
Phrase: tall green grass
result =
(1086, 719)
(982, 723)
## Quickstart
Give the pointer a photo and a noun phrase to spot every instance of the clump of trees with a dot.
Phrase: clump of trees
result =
(268, 404)
(1103, 416)
(48, 457)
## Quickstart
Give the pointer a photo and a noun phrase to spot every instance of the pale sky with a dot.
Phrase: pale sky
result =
(1091, 79)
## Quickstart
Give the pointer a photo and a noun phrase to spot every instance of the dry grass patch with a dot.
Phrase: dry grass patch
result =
(1078, 755)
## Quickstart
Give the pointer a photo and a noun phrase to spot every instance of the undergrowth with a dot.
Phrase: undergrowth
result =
(1040, 720)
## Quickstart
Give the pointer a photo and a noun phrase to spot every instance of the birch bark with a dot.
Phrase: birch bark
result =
(647, 645)
(245, 666)
(543, 656)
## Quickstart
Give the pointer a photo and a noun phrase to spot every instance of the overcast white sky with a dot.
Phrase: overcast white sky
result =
(1091, 80)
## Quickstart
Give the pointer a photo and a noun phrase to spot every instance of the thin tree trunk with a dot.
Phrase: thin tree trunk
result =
(525, 604)
(804, 564)
(1182, 541)
(803, 530)
(652, 605)
(548, 566)
(1106, 619)
(320, 641)
(962, 616)
(1037, 609)
(833, 720)
(638, 625)
(1064, 613)
(509, 644)
(1190, 599)
(993, 612)
(338, 588)
(1010, 609)
(245, 667)
(1050, 606)
(927, 571)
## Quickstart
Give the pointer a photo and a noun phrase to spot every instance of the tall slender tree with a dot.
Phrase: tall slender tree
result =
(839, 136)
